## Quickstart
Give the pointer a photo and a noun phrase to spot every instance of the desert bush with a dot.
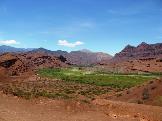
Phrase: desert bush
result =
(140, 102)
(119, 95)
(159, 60)
(145, 94)
(54, 89)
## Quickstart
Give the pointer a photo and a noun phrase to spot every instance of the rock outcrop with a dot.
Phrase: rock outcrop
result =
(17, 63)
(145, 58)
(143, 50)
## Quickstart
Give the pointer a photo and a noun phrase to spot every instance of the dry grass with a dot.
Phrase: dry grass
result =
(55, 89)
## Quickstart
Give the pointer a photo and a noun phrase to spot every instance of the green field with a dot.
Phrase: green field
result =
(73, 83)
(120, 81)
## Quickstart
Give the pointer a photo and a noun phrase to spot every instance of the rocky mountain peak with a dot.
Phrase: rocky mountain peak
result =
(86, 51)
(143, 50)
(128, 48)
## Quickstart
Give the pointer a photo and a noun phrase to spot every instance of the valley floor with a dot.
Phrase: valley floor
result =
(14, 108)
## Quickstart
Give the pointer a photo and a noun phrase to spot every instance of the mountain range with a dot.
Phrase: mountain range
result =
(80, 58)
(4, 49)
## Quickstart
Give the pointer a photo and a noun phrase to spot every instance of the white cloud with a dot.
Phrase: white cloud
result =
(68, 44)
(9, 42)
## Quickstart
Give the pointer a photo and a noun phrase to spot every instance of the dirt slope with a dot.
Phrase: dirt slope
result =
(16, 109)
(149, 93)
(130, 111)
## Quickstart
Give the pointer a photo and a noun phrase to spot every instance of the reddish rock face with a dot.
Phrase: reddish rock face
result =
(142, 50)
(144, 47)
(129, 48)
(16, 63)
(145, 58)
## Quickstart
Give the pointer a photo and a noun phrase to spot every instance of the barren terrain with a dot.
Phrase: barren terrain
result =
(14, 108)
(18, 109)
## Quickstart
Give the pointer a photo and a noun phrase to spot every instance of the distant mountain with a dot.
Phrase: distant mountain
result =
(4, 49)
(144, 58)
(57, 53)
(143, 50)
(86, 51)
(79, 58)
(85, 58)
(41, 50)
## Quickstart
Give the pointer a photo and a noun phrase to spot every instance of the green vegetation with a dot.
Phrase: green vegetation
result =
(75, 83)
(119, 81)
(36, 89)
(55, 89)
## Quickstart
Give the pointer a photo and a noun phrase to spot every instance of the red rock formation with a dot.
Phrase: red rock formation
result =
(16, 63)
(143, 50)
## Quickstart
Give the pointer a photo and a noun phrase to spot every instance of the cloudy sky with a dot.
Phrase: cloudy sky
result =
(98, 25)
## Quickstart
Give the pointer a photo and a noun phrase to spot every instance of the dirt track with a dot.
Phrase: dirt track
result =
(16, 109)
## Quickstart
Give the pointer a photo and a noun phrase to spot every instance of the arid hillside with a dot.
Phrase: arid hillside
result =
(142, 65)
(17, 63)
(148, 93)
(144, 58)
(143, 50)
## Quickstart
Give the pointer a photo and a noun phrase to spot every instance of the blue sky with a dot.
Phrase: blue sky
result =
(98, 25)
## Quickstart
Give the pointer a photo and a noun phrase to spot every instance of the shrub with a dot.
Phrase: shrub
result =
(140, 102)
(145, 94)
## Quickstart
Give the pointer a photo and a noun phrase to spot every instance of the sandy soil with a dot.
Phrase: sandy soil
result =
(130, 111)
(17, 109)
